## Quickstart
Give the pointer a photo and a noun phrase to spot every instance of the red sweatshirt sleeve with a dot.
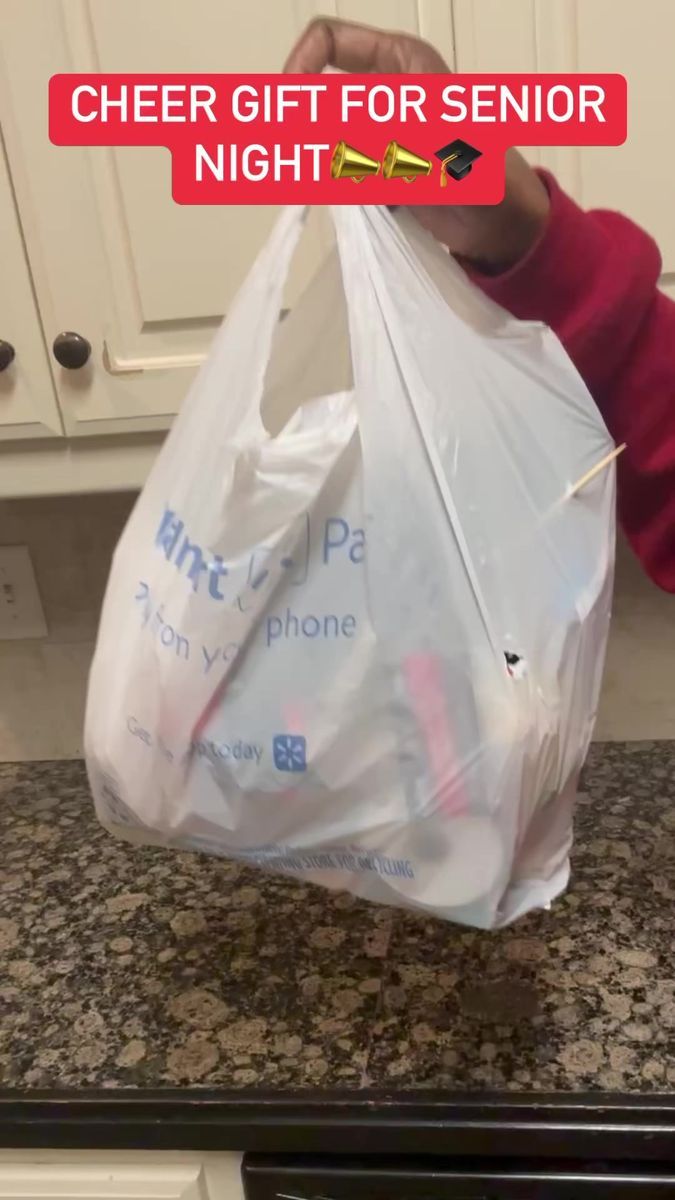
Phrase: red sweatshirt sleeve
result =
(592, 277)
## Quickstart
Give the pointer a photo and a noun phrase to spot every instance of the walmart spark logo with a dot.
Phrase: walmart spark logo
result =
(290, 752)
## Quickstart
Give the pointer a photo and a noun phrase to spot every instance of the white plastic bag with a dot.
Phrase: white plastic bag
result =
(302, 659)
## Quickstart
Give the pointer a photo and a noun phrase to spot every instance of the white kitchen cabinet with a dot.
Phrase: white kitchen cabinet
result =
(144, 280)
(92, 1175)
(28, 405)
(635, 40)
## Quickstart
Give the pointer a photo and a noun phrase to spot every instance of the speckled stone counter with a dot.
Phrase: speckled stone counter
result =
(135, 968)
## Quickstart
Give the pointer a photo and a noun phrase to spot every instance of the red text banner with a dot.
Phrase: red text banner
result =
(335, 138)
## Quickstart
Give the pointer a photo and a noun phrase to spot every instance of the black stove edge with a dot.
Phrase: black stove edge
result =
(589, 1126)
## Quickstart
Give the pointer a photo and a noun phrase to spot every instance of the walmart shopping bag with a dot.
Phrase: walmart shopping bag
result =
(360, 641)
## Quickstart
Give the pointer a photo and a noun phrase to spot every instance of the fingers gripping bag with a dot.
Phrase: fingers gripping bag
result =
(355, 626)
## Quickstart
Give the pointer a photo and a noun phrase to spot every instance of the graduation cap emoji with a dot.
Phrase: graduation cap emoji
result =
(457, 158)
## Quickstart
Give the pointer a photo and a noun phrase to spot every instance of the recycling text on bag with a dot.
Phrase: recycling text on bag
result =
(365, 648)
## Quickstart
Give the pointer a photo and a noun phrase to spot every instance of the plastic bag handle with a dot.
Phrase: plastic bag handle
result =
(357, 235)
(242, 348)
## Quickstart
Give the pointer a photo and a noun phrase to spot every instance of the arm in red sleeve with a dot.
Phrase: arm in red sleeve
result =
(592, 277)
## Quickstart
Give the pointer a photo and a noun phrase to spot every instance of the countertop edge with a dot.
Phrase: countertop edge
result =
(591, 1125)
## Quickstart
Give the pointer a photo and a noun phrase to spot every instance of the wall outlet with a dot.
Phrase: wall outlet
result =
(21, 614)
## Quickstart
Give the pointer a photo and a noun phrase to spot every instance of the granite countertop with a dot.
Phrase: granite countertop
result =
(141, 969)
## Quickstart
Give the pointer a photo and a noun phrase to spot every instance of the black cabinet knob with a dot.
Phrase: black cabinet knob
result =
(71, 350)
(7, 354)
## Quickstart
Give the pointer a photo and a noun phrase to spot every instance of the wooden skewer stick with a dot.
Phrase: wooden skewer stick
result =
(604, 462)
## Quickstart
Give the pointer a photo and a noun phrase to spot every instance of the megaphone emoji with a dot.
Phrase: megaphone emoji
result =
(400, 163)
(348, 163)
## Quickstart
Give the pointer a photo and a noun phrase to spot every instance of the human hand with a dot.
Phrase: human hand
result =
(492, 237)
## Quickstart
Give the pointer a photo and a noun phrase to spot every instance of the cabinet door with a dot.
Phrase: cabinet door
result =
(93, 1175)
(593, 35)
(27, 401)
(144, 280)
